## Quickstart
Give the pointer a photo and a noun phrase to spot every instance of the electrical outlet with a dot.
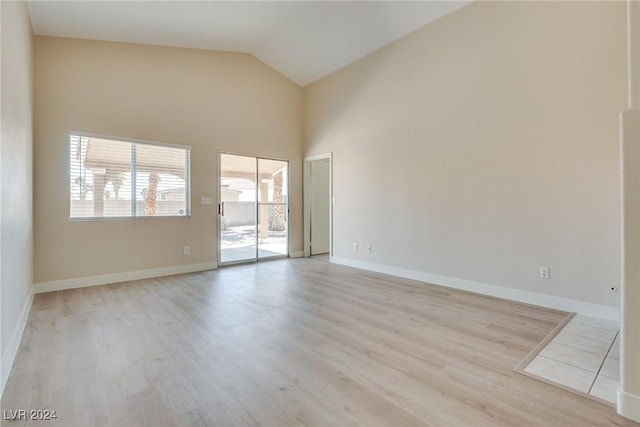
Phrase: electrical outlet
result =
(187, 250)
(355, 247)
(544, 272)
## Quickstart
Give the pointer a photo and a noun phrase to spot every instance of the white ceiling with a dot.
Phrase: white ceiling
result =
(304, 40)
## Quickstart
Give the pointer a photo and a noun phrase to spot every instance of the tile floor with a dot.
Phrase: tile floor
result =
(584, 356)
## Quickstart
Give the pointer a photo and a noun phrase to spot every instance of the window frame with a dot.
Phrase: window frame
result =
(187, 182)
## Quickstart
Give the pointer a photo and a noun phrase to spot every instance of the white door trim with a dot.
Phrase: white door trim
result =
(307, 210)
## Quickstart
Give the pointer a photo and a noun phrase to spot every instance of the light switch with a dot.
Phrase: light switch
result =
(205, 200)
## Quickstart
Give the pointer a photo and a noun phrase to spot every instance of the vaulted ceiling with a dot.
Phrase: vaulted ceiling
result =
(304, 40)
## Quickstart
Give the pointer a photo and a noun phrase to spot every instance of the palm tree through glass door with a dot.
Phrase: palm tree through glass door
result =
(253, 208)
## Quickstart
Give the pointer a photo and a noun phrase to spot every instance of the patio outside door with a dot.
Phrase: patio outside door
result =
(253, 208)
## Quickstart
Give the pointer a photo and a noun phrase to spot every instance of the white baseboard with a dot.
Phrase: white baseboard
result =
(628, 405)
(558, 303)
(14, 342)
(83, 282)
(297, 254)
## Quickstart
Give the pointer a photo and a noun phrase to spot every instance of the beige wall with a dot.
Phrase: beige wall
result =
(484, 146)
(210, 100)
(16, 213)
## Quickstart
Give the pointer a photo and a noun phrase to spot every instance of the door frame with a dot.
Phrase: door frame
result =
(219, 216)
(307, 208)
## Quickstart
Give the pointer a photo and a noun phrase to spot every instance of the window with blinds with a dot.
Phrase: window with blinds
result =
(113, 178)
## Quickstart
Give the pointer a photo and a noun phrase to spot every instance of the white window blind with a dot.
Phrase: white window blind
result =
(112, 178)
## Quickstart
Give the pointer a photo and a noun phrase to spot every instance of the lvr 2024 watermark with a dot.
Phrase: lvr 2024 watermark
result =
(29, 414)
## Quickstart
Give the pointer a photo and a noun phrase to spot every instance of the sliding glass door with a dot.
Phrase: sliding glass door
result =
(253, 208)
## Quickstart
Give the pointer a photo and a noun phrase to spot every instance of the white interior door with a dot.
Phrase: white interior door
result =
(320, 205)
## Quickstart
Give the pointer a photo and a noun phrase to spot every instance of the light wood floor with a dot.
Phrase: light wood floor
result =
(290, 342)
